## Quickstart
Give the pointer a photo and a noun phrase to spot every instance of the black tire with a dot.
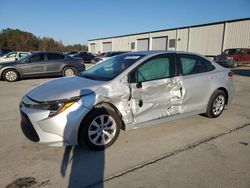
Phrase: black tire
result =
(11, 75)
(214, 111)
(84, 137)
(68, 70)
(234, 64)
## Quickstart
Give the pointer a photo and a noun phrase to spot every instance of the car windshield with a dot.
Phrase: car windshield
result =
(109, 69)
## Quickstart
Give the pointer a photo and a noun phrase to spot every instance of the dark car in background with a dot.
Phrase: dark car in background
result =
(234, 57)
(41, 64)
(70, 53)
(85, 56)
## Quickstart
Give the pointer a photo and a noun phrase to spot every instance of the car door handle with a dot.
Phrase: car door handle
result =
(210, 77)
(140, 103)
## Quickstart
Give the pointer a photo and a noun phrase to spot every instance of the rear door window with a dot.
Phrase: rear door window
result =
(192, 64)
(37, 57)
(52, 56)
(23, 55)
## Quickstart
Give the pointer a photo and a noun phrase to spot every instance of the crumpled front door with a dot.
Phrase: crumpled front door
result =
(156, 99)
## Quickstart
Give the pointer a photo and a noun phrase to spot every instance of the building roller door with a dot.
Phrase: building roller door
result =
(142, 44)
(92, 48)
(106, 46)
(159, 43)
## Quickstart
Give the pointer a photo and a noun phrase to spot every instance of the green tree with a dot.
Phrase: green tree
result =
(18, 40)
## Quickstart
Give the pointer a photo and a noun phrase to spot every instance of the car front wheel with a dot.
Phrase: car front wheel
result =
(10, 75)
(216, 104)
(100, 129)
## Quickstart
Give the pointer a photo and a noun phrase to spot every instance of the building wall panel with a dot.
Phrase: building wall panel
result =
(182, 40)
(237, 35)
(206, 40)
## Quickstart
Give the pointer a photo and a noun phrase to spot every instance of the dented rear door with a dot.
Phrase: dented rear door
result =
(197, 82)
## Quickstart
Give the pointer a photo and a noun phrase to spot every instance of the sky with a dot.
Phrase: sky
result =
(77, 21)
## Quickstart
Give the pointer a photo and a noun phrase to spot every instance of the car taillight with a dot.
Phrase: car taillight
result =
(230, 74)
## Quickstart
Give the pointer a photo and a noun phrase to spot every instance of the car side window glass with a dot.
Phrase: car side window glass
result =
(22, 55)
(37, 57)
(55, 56)
(11, 55)
(157, 68)
(191, 64)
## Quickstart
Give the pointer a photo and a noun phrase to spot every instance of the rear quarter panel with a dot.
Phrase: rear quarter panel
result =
(222, 80)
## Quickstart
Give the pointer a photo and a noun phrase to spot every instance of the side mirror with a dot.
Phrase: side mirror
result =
(138, 85)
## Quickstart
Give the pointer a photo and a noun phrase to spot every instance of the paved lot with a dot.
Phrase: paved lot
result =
(192, 152)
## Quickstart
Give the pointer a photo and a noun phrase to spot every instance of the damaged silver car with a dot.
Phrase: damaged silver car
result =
(128, 91)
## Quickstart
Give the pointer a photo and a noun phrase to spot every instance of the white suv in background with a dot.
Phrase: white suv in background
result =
(13, 56)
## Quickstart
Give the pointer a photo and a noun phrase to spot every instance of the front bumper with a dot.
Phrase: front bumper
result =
(60, 130)
(226, 63)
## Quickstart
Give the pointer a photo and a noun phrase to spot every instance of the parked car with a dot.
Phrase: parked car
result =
(13, 56)
(234, 57)
(108, 55)
(128, 91)
(85, 56)
(70, 53)
(100, 54)
(41, 64)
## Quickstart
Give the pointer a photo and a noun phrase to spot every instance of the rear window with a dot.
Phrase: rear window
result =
(192, 64)
(55, 56)
(37, 57)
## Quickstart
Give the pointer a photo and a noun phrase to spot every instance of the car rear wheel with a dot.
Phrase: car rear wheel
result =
(69, 71)
(100, 129)
(216, 104)
(10, 75)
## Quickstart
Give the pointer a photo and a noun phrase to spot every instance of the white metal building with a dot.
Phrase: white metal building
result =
(207, 39)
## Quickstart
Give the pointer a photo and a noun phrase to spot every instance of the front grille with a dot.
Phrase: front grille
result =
(28, 129)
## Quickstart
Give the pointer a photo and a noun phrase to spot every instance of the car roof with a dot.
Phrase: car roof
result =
(159, 52)
(153, 52)
(238, 48)
(47, 52)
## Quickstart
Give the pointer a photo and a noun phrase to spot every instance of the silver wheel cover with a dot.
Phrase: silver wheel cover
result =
(11, 75)
(102, 130)
(69, 72)
(218, 105)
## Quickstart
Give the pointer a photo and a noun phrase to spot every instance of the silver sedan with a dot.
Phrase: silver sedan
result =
(128, 91)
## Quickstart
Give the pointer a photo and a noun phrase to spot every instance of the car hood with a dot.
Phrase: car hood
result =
(63, 88)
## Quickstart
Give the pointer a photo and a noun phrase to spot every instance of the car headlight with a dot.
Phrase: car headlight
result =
(229, 58)
(55, 107)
